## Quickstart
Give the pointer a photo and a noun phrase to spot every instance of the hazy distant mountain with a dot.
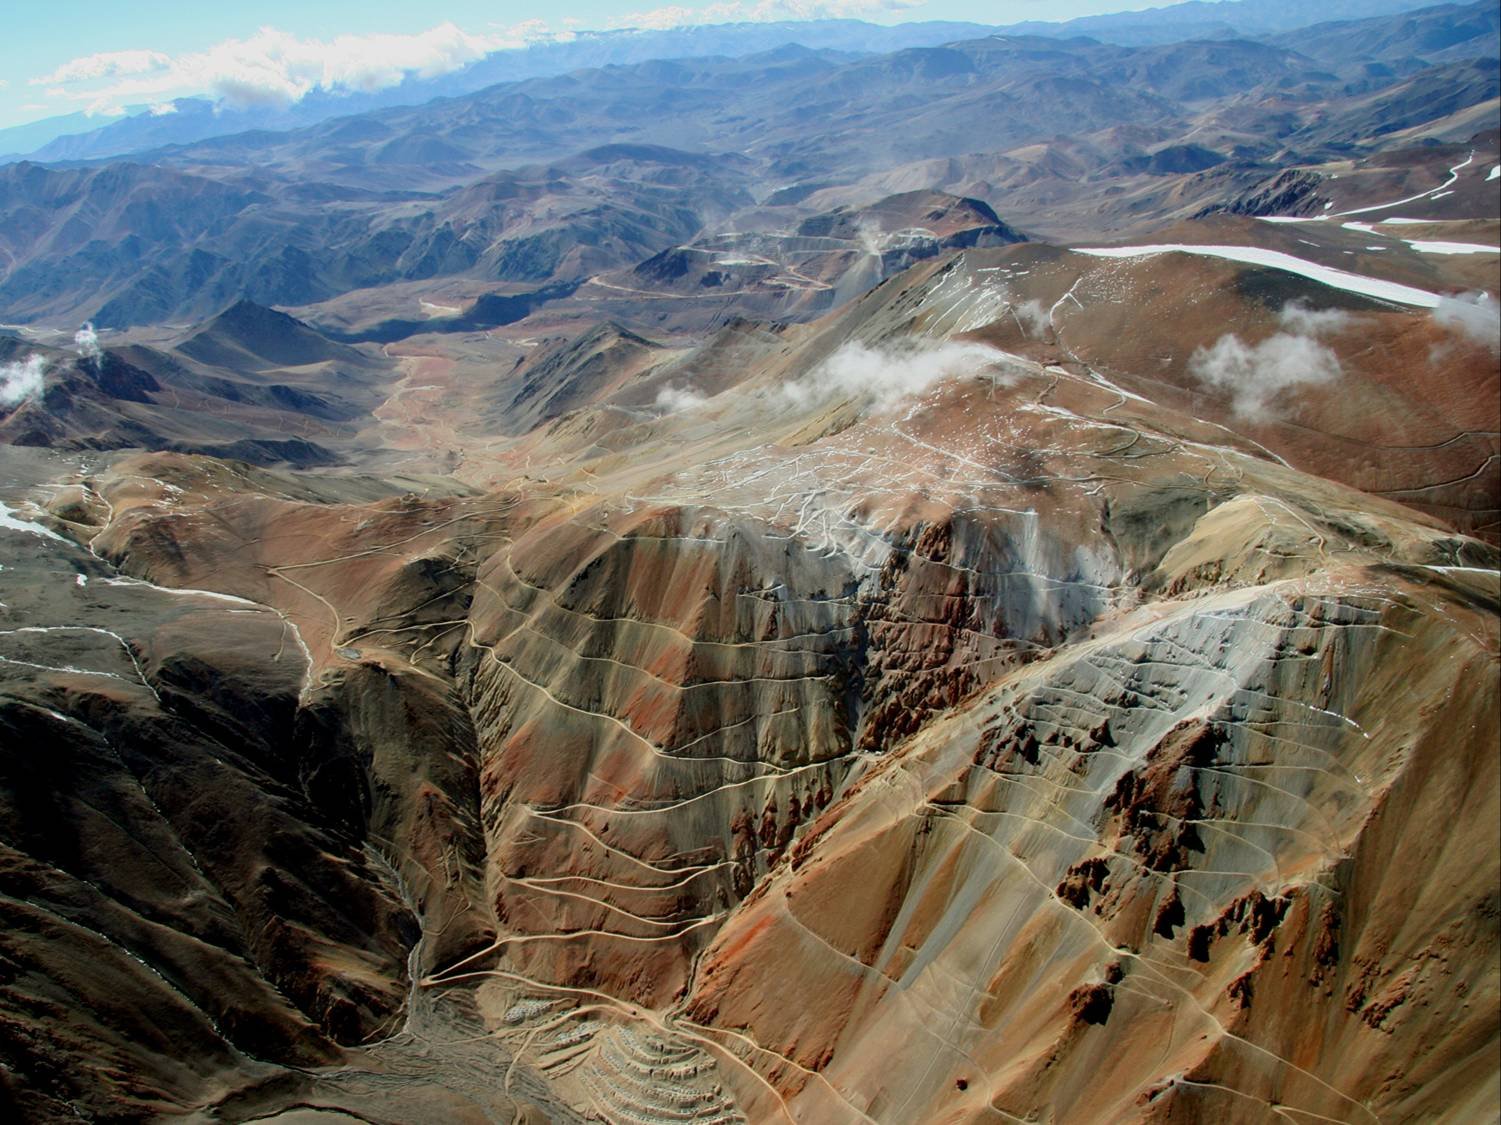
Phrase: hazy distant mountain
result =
(18, 139)
(546, 183)
(78, 137)
(1199, 19)
(1447, 33)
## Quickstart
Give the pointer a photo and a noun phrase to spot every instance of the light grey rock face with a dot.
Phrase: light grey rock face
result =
(668, 688)
(1144, 857)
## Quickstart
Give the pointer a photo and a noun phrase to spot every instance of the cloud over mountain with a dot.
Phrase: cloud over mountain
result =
(274, 67)
(21, 379)
(277, 68)
(1256, 374)
(883, 377)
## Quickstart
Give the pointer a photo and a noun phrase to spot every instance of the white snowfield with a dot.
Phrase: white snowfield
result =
(1425, 246)
(1275, 259)
(9, 522)
(1450, 247)
(185, 592)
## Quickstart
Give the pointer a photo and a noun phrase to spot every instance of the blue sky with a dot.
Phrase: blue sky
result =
(64, 56)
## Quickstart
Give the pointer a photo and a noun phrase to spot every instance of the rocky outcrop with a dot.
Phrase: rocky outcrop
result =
(1293, 192)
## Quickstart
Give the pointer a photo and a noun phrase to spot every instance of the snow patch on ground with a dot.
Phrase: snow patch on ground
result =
(10, 523)
(1275, 259)
(1421, 245)
(186, 592)
(1450, 247)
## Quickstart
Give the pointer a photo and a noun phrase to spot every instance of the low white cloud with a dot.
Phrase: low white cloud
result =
(672, 400)
(106, 64)
(21, 380)
(1257, 374)
(274, 67)
(1305, 320)
(86, 340)
(882, 377)
(1475, 316)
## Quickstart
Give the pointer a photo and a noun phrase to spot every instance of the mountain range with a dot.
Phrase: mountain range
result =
(919, 574)
(184, 120)
(556, 180)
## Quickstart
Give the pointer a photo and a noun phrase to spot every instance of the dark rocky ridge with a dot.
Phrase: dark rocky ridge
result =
(253, 384)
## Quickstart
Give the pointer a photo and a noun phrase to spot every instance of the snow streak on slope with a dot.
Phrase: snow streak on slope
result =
(1255, 255)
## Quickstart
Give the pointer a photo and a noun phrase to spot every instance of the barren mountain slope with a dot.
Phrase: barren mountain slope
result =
(956, 585)
(909, 718)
